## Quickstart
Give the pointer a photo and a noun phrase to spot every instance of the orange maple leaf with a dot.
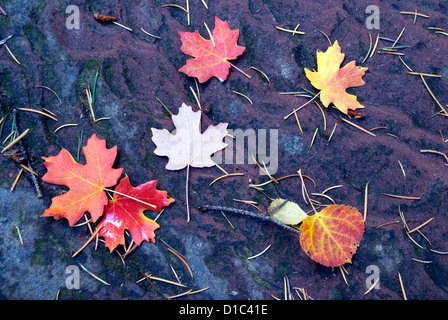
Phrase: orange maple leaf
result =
(332, 235)
(86, 182)
(126, 212)
(211, 56)
(333, 81)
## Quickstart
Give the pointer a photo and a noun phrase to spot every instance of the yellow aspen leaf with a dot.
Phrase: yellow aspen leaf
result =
(332, 80)
(290, 213)
(332, 235)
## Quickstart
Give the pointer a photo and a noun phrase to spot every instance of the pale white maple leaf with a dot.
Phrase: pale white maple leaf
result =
(187, 146)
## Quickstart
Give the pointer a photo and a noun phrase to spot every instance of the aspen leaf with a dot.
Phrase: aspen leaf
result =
(290, 213)
(211, 57)
(332, 235)
(333, 81)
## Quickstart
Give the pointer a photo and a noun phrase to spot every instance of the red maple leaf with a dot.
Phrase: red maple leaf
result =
(125, 211)
(86, 182)
(211, 56)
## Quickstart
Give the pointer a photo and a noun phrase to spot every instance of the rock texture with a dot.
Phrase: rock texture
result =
(136, 69)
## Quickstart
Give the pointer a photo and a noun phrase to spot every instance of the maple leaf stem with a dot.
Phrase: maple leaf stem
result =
(186, 193)
(128, 196)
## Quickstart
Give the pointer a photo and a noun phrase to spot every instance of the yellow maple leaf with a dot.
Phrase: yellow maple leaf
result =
(333, 80)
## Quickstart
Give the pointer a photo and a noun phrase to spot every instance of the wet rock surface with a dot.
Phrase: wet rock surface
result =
(135, 69)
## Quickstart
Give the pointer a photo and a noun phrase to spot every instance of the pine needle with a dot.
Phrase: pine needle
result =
(436, 152)
(20, 235)
(433, 96)
(372, 286)
(402, 287)
(39, 112)
(149, 34)
(259, 254)
(314, 136)
(52, 91)
(262, 73)
(370, 48)
(176, 6)
(332, 132)
(93, 275)
(290, 31)
(402, 169)
(210, 34)
(149, 276)
(205, 4)
(422, 225)
(374, 47)
(399, 36)
(123, 26)
(180, 258)
(358, 127)
(12, 143)
(366, 192)
(401, 197)
(11, 54)
(65, 125)
(16, 180)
